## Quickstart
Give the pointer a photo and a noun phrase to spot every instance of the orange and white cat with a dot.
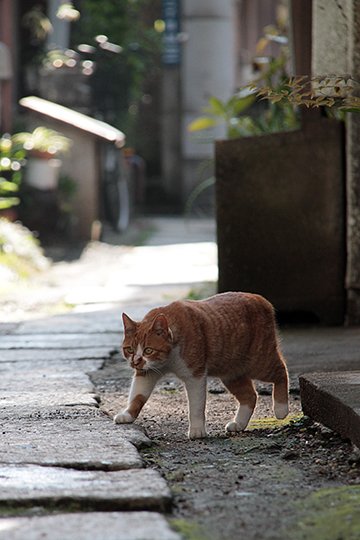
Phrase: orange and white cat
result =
(231, 336)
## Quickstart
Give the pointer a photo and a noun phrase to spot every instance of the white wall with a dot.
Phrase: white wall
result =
(208, 69)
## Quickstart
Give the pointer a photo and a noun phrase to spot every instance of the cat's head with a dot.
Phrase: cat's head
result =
(147, 344)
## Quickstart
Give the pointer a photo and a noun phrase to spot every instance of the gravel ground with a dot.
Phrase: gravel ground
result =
(294, 480)
(259, 483)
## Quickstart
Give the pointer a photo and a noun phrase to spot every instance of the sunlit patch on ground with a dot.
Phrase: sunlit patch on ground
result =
(272, 422)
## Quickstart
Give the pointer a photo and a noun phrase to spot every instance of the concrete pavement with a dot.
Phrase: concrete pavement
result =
(58, 453)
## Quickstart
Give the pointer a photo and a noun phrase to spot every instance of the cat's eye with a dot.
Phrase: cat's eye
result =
(129, 350)
(148, 350)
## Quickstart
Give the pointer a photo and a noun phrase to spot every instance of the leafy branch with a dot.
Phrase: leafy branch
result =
(313, 92)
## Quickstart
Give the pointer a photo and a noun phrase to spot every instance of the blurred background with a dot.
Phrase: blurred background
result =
(115, 110)
(143, 67)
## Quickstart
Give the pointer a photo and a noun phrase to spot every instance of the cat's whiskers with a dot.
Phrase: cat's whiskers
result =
(155, 369)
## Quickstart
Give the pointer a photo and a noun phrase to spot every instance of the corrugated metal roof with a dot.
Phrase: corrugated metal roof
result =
(74, 118)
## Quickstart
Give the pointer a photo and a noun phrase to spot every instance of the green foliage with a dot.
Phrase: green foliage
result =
(276, 116)
(38, 24)
(13, 152)
(42, 139)
(67, 189)
(201, 291)
(332, 92)
(227, 112)
(20, 253)
(117, 80)
(189, 530)
(12, 159)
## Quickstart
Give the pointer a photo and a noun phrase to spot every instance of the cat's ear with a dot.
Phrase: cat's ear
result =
(129, 324)
(160, 325)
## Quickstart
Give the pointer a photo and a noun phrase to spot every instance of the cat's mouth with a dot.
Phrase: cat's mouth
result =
(139, 365)
(144, 365)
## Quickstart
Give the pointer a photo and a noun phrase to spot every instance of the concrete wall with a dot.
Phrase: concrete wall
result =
(336, 50)
(208, 69)
(353, 177)
(331, 27)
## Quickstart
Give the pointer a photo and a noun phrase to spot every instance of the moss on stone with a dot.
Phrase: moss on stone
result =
(188, 529)
(329, 514)
(272, 422)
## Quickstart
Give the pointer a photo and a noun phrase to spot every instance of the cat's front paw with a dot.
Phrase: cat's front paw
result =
(197, 433)
(233, 427)
(123, 418)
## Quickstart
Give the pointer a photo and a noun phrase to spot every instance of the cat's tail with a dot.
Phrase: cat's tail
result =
(281, 390)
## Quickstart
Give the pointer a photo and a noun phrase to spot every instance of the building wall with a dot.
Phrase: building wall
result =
(208, 69)
(331, 26)
(217, 59)
(336, 50)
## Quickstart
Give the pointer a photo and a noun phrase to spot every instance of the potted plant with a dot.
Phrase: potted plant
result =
(44, 146)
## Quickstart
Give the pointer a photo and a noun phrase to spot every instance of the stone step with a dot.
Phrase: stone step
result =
(97, 526)
(77, 442)
(333, 399)
(56, 488)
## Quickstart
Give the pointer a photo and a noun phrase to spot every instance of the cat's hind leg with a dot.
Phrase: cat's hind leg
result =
(141, 387)
(244, 390)
(281, 391)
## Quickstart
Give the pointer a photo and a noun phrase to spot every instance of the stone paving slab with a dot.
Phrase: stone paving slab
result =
(45, 381)
(102, 321)
(50, 355)
(42, 390)
(60, 341)
(80, 443)
(60, 488)
(334, 400)
(8, 328)
(97, 526)
(45, 366)
(25, 403)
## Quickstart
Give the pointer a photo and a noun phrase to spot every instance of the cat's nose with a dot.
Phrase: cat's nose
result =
(137, 360)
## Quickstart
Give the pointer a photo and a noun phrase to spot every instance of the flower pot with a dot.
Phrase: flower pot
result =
(43, 173)
(281, 218)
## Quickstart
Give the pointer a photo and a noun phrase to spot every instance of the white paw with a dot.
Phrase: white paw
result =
(281, 410)
(233, 427)
(123, 418)
(197, 432)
